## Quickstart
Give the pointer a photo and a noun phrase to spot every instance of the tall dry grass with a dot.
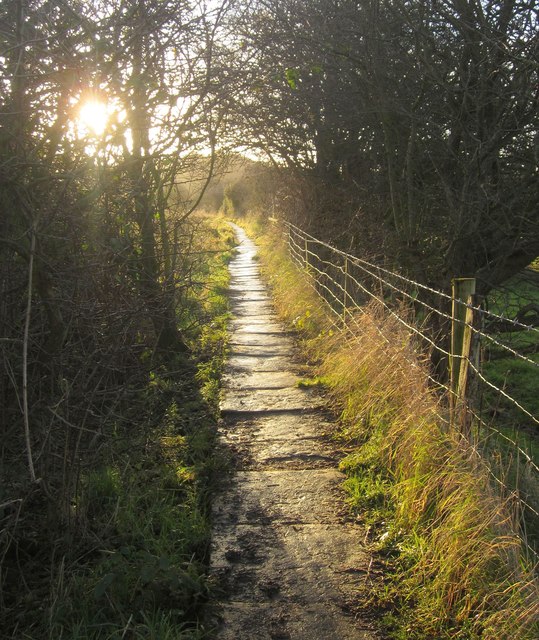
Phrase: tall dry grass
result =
(460, 569)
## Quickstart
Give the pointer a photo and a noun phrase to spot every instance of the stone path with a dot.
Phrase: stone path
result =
(286, 561)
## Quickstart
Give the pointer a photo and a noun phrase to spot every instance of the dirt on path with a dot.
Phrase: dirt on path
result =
(287, 561)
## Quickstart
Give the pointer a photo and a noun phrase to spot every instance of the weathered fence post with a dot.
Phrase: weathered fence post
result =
(306, 245)
(345, 295)
(463, 290)
(289, 240)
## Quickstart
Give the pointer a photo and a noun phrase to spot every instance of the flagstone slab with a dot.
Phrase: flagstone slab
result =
(247, 363)
(306, 453)
(259, 380)
(304, 496)
(279, 426)
(258, 339)
(255, 400)
(260, 350)
(288, 621)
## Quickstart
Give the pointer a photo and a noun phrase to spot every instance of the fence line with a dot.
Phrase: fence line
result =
(346, 281)
(305, 263)
(293, 228)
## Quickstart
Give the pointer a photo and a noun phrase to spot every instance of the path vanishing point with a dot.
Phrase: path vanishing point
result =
(287, 561)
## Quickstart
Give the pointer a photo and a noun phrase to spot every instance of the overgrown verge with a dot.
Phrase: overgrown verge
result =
(128, 558)
(452, 555)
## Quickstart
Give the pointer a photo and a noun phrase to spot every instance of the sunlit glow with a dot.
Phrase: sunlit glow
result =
(94, 116)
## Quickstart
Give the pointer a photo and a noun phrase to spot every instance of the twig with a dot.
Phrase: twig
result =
(25, 356)
(126, 629)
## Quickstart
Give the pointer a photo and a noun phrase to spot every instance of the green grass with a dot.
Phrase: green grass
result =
(515, 293)
(138, 570)
(155, 625)
(518, 378)
(146, 509)
(318, 382)
(369, 495)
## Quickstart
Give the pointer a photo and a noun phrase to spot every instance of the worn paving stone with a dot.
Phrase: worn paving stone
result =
(259, 380)
(247, 363)
(260, 350)
(288, 621)
(253, 296)
(260, 321)
(306, 496)
(246, 327)
(306, 453)
(286, 562)
(289, 399)
(243, 289)
(315, 564)
(289, 427)
(245, 270)
(257, 339)
(247, 307)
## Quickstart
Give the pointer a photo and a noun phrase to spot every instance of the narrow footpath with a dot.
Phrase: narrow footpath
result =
(288, 562)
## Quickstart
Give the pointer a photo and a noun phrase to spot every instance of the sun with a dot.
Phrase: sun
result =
(93, 116)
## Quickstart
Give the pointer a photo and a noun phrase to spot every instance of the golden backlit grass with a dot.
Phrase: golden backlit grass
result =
(459, 568)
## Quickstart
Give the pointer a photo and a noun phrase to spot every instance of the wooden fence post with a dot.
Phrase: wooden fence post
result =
(289, 240)
(306, 245)
(345, 295)
(463, 290)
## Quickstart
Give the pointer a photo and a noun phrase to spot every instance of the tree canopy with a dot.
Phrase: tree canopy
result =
(421, 116)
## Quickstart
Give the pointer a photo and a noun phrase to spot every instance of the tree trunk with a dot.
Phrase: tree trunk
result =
(158, 297)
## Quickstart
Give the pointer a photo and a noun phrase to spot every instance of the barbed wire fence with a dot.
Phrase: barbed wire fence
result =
(465, 341)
